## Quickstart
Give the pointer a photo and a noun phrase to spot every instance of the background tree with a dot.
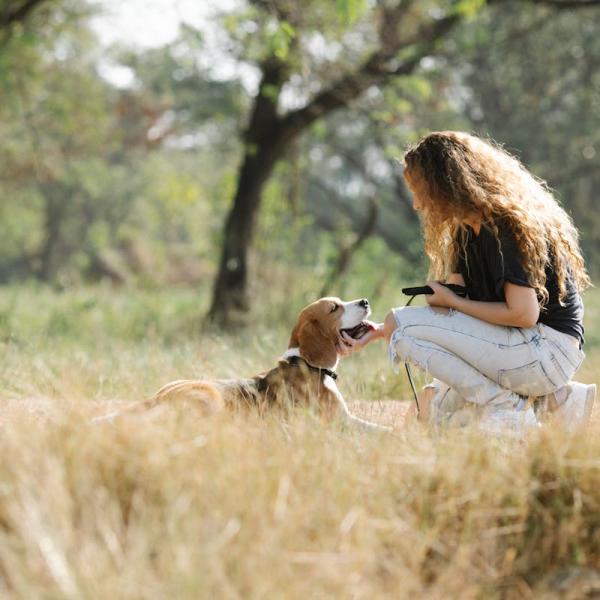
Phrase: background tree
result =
(399, 35)
(132, 182)
(13, 11)
(535, 85)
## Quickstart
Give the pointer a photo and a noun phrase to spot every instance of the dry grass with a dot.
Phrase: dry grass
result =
(168, 505)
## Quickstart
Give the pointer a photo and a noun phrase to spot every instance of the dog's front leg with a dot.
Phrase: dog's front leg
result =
(348, 417)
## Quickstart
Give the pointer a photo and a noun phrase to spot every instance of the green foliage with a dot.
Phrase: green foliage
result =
(134, 184)
(279, 40)
(469, 8)
(540, 98)
(176, 81)
(351, 10)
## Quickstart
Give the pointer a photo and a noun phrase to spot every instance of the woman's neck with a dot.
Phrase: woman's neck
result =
(474, 223)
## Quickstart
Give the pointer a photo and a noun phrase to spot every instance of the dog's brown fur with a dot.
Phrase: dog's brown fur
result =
(315, 335)
(282, 387)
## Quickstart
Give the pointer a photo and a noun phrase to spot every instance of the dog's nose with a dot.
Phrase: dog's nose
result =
(364, 303)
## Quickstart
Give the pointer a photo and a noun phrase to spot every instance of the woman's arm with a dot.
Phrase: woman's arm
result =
(380, 331)
(521, 308)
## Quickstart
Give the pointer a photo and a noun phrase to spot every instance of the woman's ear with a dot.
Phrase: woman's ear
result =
(315, 346)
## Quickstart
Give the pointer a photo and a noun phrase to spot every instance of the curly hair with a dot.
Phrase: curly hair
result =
(457, 175)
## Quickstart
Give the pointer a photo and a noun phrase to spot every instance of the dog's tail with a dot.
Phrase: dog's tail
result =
(201, 395)
(204, 394)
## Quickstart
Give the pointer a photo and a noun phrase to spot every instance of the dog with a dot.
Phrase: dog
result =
(304, 376)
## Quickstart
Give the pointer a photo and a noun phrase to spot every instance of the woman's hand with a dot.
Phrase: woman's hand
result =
(521, 308)
(348, 345)
(441, 296)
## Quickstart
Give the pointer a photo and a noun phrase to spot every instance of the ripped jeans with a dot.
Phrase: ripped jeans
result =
(482, 365)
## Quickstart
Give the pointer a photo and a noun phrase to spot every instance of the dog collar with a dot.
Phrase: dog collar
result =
(296, 361)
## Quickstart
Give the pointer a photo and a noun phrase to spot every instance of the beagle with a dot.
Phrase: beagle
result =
(304, 376)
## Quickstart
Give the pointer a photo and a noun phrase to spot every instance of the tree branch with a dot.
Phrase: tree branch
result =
(17, 14)
(375, 69)
(264, 119)
(348, 251)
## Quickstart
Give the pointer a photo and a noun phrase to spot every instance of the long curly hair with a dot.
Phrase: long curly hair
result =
(457, 175)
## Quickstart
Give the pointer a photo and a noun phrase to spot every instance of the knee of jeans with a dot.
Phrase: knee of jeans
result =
(401, 344)
(417, 315)
(397, 350)
(393, 315)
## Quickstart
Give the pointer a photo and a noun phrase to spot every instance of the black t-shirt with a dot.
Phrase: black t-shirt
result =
(488, 270)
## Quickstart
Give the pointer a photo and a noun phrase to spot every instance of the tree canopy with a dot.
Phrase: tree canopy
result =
(295, 151)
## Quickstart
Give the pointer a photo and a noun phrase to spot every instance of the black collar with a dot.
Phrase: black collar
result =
(297, 361)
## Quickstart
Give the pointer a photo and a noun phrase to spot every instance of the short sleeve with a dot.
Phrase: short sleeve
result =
(506, 265)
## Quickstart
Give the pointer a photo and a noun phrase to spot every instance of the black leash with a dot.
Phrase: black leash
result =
(407, 366)
(413, 292)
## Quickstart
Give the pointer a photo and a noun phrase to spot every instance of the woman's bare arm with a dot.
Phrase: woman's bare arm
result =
(521, 308)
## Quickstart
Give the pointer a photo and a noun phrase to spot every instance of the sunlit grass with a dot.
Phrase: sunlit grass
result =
(171, 505)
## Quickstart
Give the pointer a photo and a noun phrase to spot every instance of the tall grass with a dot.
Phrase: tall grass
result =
(171, 505)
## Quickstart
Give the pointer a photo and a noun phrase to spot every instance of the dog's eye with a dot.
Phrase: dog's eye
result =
(334, 307)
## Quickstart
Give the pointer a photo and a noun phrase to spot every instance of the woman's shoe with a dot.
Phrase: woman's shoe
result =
(576, 409)
(511, 421)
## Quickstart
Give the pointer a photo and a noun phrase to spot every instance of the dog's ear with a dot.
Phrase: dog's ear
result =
(294, 341)
(315, 345)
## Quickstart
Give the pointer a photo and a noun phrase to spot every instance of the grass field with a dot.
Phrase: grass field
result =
(170, 505)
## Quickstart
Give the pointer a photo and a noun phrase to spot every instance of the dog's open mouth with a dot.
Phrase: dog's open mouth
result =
(361, 329)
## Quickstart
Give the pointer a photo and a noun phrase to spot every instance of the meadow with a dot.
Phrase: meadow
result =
(171, 505)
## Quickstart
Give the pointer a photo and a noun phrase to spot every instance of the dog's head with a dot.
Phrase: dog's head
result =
(319, 326)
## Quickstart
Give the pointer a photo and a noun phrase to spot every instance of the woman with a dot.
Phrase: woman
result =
(493, 227)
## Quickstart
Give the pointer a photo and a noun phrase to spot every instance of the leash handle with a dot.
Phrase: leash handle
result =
(459, 290)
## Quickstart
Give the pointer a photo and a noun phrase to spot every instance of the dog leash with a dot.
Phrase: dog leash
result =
(408, 372)
(413, 292)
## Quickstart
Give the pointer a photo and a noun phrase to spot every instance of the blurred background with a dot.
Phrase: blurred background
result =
(171, 169)
(242, 156)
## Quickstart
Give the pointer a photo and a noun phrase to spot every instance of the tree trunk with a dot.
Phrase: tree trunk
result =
(268, 134)
(48, 252)
(230, 295)
(17, 14)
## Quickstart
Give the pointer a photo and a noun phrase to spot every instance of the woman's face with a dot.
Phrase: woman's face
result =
(418, 190)
(421, 199)
(444, 211)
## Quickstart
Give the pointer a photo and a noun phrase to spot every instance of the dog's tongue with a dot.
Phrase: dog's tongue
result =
(360, 330)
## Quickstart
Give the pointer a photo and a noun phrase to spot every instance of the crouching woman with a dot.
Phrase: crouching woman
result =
(515, 342)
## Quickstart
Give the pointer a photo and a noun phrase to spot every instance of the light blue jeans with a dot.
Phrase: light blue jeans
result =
(482, 365)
